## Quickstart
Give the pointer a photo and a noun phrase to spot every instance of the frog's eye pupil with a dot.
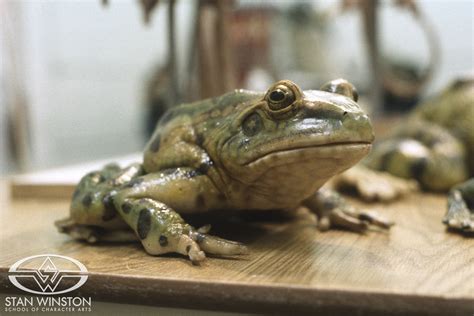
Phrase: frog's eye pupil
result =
(277, 95)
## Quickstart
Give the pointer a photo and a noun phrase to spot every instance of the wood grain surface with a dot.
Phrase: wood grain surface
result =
(416, 268)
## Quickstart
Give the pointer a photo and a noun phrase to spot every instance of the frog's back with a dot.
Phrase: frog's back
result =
(218, 105)
(454, 110)
(191, 123)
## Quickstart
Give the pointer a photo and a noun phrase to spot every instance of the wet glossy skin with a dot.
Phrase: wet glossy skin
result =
(243, 150)
(435, 146)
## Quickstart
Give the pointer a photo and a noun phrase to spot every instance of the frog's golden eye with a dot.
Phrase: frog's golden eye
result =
(280, 97)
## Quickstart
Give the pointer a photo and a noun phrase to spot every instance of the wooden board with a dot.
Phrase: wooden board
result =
(417, 268)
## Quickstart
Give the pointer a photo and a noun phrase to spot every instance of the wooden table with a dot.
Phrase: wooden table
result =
(416, 268)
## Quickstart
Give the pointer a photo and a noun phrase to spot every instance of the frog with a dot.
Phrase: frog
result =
(435, 147)
(244, 150)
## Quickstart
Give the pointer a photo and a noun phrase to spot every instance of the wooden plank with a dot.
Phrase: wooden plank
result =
(416, 268)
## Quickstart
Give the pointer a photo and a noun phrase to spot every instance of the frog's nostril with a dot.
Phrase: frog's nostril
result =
(344, 114)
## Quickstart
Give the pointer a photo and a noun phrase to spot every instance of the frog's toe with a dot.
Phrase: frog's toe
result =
(358, 221)
(339, 218)
(78, 232)
(375, 220)
(372, 185)
(218, 246)
(189, 247)
(459, 217)
(332, 210)
(324, 223)
(204, 229)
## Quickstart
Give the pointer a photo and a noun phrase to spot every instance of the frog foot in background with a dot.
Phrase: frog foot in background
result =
(372, 185)
(332, 210)
(460, 214)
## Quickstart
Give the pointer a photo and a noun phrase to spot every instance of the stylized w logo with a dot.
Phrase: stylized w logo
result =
(47, 276)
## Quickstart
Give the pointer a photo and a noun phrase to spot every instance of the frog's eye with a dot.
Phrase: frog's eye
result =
(280, 97)
(341, 86)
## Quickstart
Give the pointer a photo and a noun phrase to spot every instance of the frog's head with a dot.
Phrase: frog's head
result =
(298, 137)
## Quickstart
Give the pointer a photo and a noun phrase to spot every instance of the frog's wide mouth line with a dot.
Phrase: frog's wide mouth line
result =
(337, 150)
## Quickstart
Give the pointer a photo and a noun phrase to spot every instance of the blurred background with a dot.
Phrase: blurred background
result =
(87, 80)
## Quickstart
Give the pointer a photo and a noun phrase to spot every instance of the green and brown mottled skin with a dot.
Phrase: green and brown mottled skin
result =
(435, 146)
(240, 151)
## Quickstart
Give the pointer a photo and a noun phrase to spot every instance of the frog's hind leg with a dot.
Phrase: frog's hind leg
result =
(162, 230)
(93, 234)
(78, 232)
(424, 152)
(92, 215)
(460, 214)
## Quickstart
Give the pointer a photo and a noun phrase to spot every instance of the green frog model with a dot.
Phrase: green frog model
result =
(240, 151)
(435, 146)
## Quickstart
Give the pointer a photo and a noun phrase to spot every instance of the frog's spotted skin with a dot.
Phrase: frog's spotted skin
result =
(243, 150)
(436, 144)
(436, 147)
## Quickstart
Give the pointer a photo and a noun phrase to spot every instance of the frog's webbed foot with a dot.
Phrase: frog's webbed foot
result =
(460, 214)
(79, 232)
(93, 234)
(333, 211)
(162, 230)
(372, 185)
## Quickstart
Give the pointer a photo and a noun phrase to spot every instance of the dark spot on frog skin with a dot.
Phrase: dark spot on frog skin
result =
(168, 172)
(205, 166)
(252, 124)
(200, 237)
(76, 193)
(127, 207)
(163, 241)
(188, 248)
(200, 201)
(144, 223)
(192, 173)
(199, 139)
(418, 168)
(155, 144)
(133, 183)
(109, 207)
(87, 200)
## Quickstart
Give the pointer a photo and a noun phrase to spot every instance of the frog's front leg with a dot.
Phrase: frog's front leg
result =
(148, 203)
(333, 210)
(460, 214)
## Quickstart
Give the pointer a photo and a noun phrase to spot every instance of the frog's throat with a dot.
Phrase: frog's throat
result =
(347, 153)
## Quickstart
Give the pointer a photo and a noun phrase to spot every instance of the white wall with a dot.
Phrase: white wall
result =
(85, 67)
(453, 21)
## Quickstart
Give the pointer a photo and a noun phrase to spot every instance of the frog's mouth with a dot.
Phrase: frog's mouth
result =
(345, 153)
